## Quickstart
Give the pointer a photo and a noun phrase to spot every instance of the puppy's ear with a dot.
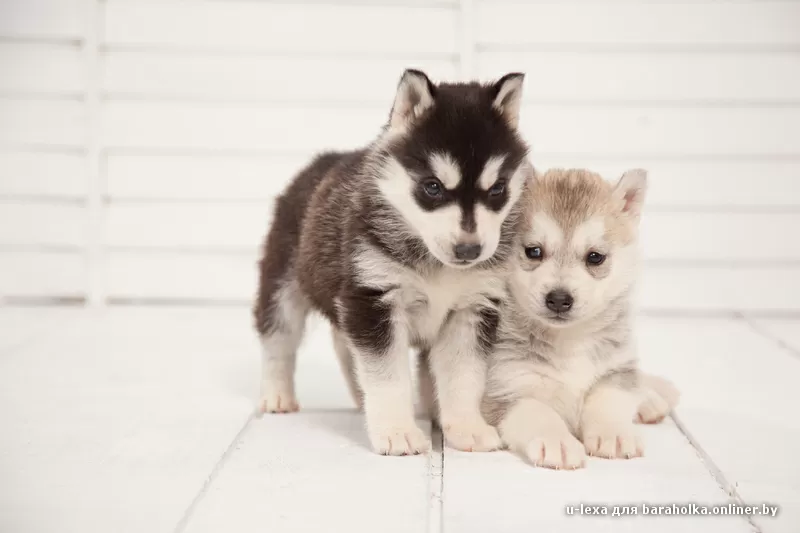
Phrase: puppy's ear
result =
(415, 95)
(630, 191)
(530, 178)
(534, 175)
(507, 92)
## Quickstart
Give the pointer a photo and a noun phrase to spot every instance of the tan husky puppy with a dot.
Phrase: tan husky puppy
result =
(563, 380)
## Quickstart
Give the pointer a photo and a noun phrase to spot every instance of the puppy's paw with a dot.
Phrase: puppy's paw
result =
(661, 387)
(399, 440)
(560, 452)
(613, 442)
(472, 436)
(652, 410)
(278, 402)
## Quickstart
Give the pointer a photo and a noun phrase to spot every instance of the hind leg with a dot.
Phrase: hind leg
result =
(347, 365)
(282, 321)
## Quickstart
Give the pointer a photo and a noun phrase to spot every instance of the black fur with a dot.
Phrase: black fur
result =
(489, 319)
(333, 209)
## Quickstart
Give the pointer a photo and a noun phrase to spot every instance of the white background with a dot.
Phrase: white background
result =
(142, 142)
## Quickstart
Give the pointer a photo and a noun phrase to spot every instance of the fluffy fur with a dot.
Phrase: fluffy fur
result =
(402, 245)
(564, 379)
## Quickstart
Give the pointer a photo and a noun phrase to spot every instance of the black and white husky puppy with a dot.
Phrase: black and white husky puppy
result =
(401, 245)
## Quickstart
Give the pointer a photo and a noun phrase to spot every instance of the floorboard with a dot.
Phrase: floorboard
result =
(140, 419)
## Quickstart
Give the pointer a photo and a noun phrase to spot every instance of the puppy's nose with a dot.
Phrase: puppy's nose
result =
(559, 301)
(467, 252)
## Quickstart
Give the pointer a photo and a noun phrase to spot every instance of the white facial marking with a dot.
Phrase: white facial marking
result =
(395, 184)
(546, 231)
(489, 223)
(446, 169)
(588, 234)
(439, 229)
(490, 170)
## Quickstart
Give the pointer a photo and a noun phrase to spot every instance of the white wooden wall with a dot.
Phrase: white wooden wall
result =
(141, 141)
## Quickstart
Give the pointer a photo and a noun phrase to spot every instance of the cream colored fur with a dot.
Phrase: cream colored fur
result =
(565, 384)
(434, 309)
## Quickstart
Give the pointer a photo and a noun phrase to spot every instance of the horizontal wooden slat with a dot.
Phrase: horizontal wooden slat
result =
(200, 177)
(181, 276)
(203, 226)
(42, 274)
(673, 131)
(682, 24)
(284, 27)
(568, 129)
(637, 77)
(717, 237)
(688, 184)
(682, 184)
(131, 73)
(239, 127)
(40, 69)
(42, 174)
(50, 123)
(231, 277)
(720, 289)
(41, 224)
(41, 19)
(720, 237)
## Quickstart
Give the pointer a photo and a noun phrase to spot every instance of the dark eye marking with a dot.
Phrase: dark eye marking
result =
(432, 187)
(534, 252)
(595, 258)
(497, 189)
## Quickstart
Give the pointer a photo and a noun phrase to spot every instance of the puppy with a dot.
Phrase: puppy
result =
(402, 245)
(563, 380)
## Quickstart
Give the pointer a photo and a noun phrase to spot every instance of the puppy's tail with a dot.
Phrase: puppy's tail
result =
(659, 398)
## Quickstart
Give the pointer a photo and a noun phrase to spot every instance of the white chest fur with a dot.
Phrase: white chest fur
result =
(425, 299)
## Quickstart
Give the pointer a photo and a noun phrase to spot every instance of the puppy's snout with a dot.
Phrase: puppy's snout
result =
(559, 301)
(467, 251)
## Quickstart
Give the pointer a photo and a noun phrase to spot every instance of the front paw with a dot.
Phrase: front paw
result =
(560, 452)
(652, 410)
(613, 442)
(277, 402)
(405, 439)
(472, 436)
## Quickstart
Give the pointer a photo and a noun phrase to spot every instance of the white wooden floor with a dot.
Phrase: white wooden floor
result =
(140, 420)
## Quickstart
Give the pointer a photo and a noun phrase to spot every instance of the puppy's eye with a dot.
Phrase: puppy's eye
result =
(595, 258)
(497, 189)
(433, 187)
(534, 252)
